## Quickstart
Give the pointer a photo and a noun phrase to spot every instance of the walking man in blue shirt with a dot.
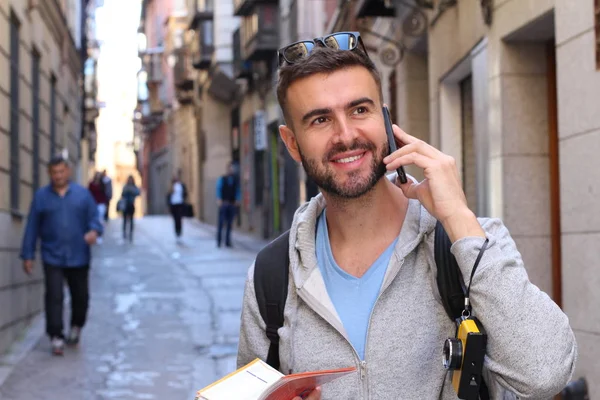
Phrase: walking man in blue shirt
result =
(228, 198)
(64, 216)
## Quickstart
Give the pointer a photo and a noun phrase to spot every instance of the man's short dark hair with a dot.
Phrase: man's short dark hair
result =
(57, 160)
(322, 60)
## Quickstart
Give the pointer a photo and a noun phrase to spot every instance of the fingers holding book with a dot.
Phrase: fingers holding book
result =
(313, 395)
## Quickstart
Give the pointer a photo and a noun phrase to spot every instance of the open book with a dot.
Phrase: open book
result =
(259, 381)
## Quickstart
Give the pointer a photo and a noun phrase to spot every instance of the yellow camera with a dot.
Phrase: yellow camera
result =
(464, 356)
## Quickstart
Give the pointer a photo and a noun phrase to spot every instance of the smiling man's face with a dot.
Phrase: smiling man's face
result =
(338, 130)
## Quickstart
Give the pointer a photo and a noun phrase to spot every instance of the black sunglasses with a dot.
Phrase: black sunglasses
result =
(296, 51)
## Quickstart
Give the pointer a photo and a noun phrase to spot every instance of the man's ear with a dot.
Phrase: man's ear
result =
(289, 139)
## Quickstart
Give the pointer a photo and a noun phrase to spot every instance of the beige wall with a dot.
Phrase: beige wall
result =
(23, 294)
(185, 146)
(579, 133)
(518, 140)
(216, 117)
(251, 103)
(412, 84)
(513, 141)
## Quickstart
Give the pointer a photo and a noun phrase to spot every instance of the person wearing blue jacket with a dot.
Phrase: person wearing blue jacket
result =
(64, 216)
(228, 198)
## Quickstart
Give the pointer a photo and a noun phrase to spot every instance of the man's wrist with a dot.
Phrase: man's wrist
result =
(462, 224)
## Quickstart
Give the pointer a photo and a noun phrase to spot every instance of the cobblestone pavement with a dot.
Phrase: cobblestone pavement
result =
(163, 320)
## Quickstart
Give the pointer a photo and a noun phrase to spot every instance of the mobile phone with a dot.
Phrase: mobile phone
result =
(387, 120)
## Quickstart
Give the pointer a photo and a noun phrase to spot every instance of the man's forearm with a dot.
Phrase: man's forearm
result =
(531, 348)
(462, 225)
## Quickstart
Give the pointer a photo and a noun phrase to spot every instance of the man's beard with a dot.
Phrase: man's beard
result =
(355, 185)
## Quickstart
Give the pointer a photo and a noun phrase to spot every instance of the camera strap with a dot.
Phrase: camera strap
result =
(484, 393)
(467, 311)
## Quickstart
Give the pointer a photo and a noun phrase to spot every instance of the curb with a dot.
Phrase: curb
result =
(21, 347)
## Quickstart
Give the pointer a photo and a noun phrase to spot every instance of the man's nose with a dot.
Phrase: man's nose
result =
(345, 132)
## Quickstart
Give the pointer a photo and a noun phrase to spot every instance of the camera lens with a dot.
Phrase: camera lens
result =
(452, 353)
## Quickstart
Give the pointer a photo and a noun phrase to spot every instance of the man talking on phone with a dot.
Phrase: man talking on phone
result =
(362, 277)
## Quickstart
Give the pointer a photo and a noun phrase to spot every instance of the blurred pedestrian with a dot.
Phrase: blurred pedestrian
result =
(228, 198)
(130, 192)
(176, 200)
(65, 218)
(98, 191)
(108, 190)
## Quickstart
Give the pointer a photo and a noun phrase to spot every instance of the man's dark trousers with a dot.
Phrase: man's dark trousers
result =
(226, 215)
(77, 280)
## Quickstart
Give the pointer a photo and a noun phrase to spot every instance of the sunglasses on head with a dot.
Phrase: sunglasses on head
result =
(296, 51)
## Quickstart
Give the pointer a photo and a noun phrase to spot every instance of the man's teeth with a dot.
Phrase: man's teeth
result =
(349, 159)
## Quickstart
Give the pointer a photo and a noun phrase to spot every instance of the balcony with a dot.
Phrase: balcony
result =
(259, 33)
(182, 77)
(202, 46)
(241, 67)
(182, 74)
(244, 8)
(152, 60)
(199, 9)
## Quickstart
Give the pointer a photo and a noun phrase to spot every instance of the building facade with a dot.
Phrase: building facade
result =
(508, 89)
(41, 107)
(211, 25)
(155, 105)
(90, 48)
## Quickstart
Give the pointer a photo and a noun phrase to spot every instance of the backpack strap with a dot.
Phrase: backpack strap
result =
(451, 284)
(449, 278)
(271, 276)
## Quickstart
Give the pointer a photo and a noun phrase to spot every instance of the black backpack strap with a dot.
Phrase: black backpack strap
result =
(449, 278)
(271, 276)
(451, 284)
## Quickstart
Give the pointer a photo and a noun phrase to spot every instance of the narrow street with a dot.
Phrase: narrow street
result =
(163, 320)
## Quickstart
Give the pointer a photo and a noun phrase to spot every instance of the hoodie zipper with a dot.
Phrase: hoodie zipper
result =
(362, 364)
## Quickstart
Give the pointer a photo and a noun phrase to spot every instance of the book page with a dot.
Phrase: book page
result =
(247, 383)
(302, 384)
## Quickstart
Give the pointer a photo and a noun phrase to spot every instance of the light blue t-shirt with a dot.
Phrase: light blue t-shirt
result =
(352, 297)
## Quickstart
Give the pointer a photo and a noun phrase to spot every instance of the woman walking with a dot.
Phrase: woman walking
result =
(130, 192)
(176, 199)
(98, 191)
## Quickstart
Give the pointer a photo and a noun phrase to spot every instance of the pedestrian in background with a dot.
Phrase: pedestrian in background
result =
(130, 192)
(64, 216)
(108, 190)
(96, 188)
(228, 198)
(176, 200)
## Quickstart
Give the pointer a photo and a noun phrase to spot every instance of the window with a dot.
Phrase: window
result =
(207, 33)
(259, 176)
(52, 116)
(35, 118)
(14, 113)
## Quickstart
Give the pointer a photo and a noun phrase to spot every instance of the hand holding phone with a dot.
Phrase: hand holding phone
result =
(392, 142)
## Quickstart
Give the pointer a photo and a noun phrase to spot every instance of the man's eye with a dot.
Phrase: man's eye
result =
(360, 110)
(319, 120)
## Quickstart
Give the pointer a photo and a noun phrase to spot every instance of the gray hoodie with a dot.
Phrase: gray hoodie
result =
(531, 348)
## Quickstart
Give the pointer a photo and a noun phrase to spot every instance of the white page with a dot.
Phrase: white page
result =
(248, 384)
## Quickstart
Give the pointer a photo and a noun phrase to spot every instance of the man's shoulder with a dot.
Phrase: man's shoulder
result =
(78, 189)
(42, 190)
